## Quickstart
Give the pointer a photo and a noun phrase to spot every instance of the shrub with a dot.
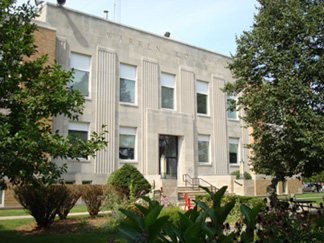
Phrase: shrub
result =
(235, 214)
(111, 178)
(93, 197)
(173, 213)
(74, 193)
(42, 203)
(247, 175)
(128, 179)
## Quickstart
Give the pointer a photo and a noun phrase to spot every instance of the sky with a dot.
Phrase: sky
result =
(209, 24)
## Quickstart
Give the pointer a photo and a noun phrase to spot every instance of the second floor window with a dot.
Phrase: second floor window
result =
(167, 91)
(127, 79)
(203, 149)
(202, 97)
(231, 114)
(81, 65)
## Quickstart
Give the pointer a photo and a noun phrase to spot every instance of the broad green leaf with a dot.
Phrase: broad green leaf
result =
(151, 217)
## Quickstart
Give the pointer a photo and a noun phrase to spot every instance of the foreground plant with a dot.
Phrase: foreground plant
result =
(207, 225)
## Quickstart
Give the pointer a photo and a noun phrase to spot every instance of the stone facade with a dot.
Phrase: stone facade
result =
(107, 45)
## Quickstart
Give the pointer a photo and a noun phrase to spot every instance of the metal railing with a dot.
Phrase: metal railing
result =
(196, 183)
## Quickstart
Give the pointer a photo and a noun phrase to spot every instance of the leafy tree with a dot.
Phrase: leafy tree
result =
(280, 86)
(31, 94)
(316, 177)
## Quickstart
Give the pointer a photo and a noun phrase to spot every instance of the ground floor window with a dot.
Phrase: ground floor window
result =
(203, 149)
(233, 150)
(127, 138)
(78, 130)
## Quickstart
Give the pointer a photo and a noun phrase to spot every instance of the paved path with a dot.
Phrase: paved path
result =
(30, 217)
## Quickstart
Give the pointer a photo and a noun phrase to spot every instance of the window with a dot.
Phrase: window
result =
(231, 114)
(203, 149)
(78, 130)
(1, 198)
(202, 97)
(81, 65)
(127, 143)
(86, 182)
(127, 83)
(167, 91)
(69, 182)
(233, 150)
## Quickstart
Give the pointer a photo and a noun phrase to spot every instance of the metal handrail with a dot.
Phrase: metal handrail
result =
(196, 182)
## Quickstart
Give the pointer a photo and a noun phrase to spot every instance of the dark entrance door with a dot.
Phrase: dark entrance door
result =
(169, 148)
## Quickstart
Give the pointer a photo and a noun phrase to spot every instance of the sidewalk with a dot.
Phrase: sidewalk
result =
(30, 217)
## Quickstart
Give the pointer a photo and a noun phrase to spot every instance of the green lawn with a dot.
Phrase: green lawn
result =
(9, 235)
(313, 196)
(22, 212)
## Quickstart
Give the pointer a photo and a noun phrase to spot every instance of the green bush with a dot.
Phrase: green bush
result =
(173, 213)
(111, 178)
(43, 203)
(74, 193)
(130, 182)
(235, 214)
(247, 175)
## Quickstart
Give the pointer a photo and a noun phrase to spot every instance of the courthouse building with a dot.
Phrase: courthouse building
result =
(160, 99)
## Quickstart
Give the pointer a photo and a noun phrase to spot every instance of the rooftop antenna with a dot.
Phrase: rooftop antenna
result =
(106, 14)
(117, 10)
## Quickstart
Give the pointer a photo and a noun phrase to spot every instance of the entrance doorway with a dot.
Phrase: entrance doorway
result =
(169, 148)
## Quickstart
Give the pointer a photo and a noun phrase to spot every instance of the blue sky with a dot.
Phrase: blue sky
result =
(209, 24)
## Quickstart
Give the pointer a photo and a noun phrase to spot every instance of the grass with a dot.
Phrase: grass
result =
(22, 212)
(313, 196)
(9, 235)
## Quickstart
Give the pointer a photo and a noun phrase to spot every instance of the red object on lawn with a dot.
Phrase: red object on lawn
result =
(187, 205)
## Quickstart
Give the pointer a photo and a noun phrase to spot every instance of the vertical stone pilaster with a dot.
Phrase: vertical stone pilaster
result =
(150, 95)
(106, 108)
(187, 85)
(219, 122)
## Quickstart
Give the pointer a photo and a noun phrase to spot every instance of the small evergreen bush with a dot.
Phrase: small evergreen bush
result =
(247, 175)
(43, 203)
(129, 180)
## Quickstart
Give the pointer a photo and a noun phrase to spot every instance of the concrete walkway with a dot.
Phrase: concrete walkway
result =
(30, 217)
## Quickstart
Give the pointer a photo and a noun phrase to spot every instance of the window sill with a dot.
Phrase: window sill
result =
(87, 99)
(233, 120)
(79, 161)
(203, 115)
(209, 164)
(235, 165)
(167, 109)
(128, 161)
(128, 104)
